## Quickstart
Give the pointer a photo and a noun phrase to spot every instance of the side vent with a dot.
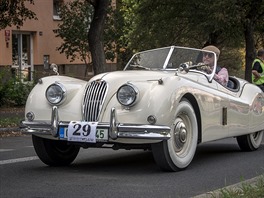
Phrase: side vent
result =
(224, 116)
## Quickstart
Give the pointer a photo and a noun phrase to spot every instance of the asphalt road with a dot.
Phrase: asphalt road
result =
(107, 173)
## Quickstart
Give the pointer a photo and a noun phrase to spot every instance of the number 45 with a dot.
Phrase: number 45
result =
(100, 134)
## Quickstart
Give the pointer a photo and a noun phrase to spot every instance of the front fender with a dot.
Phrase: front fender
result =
(70, 109)
(155, 98)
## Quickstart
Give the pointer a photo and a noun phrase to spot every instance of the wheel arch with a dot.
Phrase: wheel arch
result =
(196, 108)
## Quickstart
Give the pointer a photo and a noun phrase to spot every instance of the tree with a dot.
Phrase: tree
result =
(96, 34)
(76, 18)
(226, 24)
(83, 29)
(236, 22)
(252, 19)
(14, 12)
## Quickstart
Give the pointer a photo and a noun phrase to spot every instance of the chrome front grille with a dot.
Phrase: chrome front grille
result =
(95, 93)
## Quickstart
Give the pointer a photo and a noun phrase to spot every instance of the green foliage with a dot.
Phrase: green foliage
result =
(13, 92)
(246, 190)
(14, 12)
(112, 32)
(115, 36)
(10, 121)
(152, 23)
(4, 84)
(78, 21)
(76, 18)
(18, 92)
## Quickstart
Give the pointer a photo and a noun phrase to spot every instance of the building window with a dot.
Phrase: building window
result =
(56, 9)
(22, 55)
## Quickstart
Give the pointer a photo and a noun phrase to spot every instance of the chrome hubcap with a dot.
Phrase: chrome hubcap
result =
(180, 135)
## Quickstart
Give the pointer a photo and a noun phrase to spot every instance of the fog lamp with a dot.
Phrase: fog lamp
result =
(30, 116)
(152, 119)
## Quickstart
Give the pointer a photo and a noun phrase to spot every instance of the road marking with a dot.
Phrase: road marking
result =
(4, 150)
(24, 159)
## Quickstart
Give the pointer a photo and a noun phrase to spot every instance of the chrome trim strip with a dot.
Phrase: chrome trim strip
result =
(168, 58)
(152, 136)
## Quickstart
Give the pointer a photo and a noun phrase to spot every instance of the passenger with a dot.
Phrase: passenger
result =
(258, 70)
(221, 74)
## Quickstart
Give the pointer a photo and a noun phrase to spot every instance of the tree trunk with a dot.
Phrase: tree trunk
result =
(95, 36)
(250, 49)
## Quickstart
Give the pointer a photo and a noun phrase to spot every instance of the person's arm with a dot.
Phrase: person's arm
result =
(255, 70)
(256, 74)
(222, 76)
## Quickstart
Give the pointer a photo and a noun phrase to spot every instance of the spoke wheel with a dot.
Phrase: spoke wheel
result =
(54, 152)
(177, 152)
(250, 142)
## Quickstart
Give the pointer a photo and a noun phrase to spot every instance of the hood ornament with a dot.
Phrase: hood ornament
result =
(54, 68)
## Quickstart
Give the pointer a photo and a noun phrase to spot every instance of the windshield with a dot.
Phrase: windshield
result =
(148, 60)
(172, 58)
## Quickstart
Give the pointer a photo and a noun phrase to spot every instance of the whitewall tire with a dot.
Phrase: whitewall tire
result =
(177, 152)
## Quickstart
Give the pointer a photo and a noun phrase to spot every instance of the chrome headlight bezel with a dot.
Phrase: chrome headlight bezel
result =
(56, 93)
(127, 95)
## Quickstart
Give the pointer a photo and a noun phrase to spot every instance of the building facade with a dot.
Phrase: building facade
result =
(30, 49)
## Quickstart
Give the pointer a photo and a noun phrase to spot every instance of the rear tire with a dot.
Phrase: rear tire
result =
(54, 152)
(250, 142)
(177, 153)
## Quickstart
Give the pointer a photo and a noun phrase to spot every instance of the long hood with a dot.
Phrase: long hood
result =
(149, 84)
(120, 77)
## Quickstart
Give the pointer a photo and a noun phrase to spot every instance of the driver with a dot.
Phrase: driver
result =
(221, 74)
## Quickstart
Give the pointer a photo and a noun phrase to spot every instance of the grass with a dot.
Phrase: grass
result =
(253, 189)
(11, 116)
(10, 121)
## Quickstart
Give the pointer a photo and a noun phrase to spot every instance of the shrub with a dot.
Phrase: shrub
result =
(18, 92)
(4, 84)
(13, 92)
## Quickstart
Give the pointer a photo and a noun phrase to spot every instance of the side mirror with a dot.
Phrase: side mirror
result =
(184, 67)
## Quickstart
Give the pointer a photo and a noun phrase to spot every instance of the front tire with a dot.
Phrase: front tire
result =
(250, 142)
(54, 152)
(177, 153)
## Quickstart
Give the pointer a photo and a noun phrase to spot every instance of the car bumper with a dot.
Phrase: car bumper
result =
(115, 130)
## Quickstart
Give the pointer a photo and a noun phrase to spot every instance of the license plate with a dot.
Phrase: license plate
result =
(84, 132)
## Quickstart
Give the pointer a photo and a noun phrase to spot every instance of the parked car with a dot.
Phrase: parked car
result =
(162, 101)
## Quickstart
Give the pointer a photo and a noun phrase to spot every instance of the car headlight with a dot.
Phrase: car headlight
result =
(127, 95)
(56, 93)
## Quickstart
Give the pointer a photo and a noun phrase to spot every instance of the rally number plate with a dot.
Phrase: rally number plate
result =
(78, 131)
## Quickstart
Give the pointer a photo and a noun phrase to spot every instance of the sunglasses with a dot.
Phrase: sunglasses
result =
(210, 55)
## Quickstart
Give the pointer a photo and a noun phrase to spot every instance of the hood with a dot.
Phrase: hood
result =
(121, 77)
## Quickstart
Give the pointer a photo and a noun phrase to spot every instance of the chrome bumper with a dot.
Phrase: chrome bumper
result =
(116, 130)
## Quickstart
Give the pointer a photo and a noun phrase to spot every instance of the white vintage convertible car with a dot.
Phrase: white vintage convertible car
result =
(162, 101)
